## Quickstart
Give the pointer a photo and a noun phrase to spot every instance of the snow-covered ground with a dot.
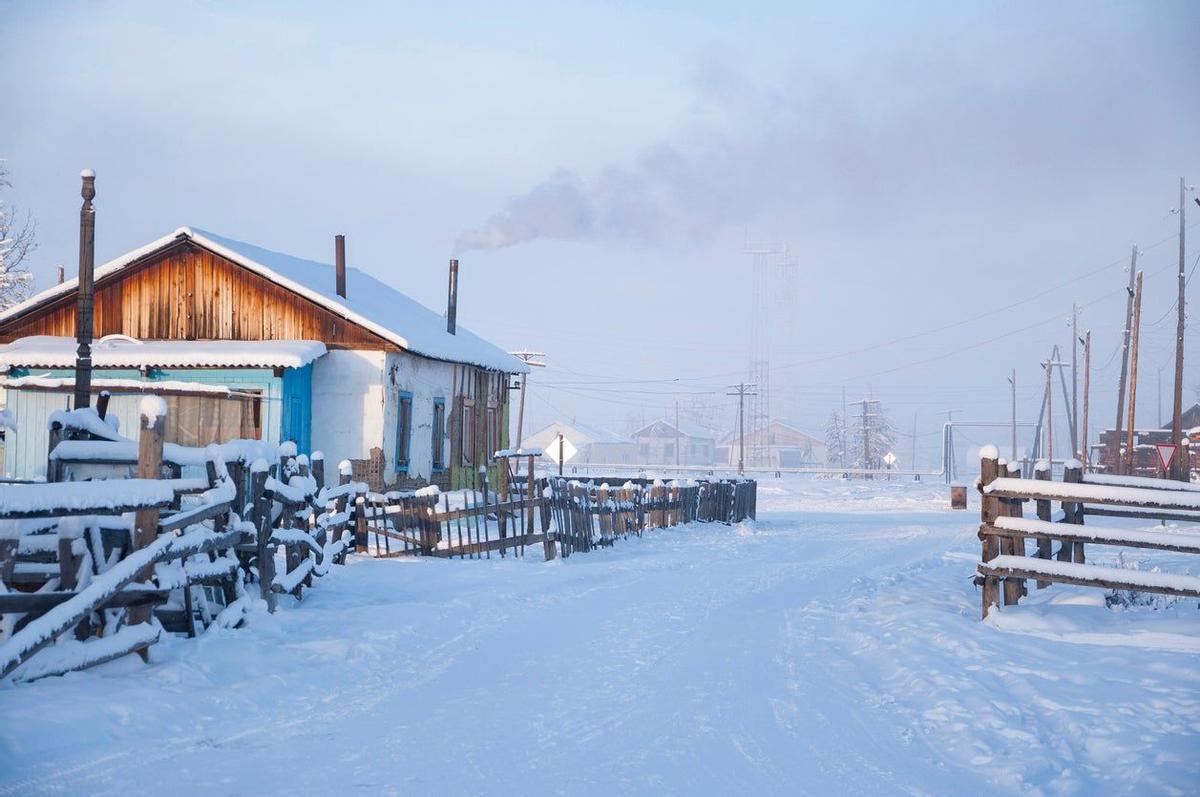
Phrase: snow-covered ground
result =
(833, 648)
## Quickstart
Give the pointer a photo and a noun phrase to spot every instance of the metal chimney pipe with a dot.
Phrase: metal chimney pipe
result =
(452, 299)
(62, 275)
(83, 308)
(339, 248)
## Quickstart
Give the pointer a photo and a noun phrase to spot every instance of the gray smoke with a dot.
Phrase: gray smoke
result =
(887, 138)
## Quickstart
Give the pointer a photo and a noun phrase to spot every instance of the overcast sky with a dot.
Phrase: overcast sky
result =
(948, 179)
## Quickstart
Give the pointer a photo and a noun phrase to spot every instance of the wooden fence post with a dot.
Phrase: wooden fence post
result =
(1073, 474)
(1014, 588)
(360, 524)
(260, 516)
(1041, 472)
(318, 469)
(989, 468)
(538, 503)
(153, 413)
(52, 470)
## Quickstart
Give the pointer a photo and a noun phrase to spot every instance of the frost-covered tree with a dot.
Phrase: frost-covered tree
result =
(18, 237)
(835, 440)
(873, 436)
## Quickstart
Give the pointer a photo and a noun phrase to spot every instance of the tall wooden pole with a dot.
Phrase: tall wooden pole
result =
(741, 390)
(1087, 387)
(1116, 459)
(677, 433)
(1179, 468)
(1075, 379)
(521, 411)
(1133, 370)
(83, 306)
(741, 431)
(1050, 414)
(1012, 381)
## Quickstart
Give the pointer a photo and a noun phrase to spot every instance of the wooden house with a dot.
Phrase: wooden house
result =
(781, 445)
(244, 339)
(661, 442)
(583, 444)
(1104, 453)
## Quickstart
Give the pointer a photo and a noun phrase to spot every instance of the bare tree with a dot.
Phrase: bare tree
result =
(18, 238)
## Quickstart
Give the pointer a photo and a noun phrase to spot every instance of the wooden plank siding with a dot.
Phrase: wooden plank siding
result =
(185, 292)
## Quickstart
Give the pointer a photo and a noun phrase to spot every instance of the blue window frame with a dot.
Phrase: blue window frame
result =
(403, 430)
(439, 435)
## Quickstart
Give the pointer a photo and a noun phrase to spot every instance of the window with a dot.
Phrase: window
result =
(493, 431)
(439, 434)
(403, 431)
(466, 432)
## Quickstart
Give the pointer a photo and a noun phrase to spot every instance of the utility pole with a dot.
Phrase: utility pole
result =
(1180, 470)
(83, 305)
(1075, 378)
(532, 359)
(1160, 423)
(868, 433)
(741, 390)
(1116, 459)
(1133, 369)
(1087, 387)
(914, 447)
(677, 433)
(1012, 381)
(1050, 365)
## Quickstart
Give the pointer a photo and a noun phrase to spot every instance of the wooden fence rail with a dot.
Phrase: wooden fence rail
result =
(1005, 564)
(195, 542)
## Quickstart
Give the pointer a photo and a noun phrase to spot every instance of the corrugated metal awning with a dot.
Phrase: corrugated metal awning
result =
(119, 351)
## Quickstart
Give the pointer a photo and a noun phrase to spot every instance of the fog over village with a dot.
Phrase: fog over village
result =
(690, 398)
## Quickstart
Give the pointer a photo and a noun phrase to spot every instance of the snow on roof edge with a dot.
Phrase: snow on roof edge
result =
(505, 362)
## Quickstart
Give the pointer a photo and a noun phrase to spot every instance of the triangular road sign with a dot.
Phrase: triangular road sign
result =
(1166, 453)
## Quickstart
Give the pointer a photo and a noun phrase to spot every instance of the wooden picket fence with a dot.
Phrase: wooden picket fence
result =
(1006, 563)
(554, 515)
(70, 553)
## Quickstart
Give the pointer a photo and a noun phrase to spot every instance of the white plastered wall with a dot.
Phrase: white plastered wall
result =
(348, 405)
(426, 380)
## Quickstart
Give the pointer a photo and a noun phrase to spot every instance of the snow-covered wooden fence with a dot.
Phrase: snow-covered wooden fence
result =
(571, 516)
(1005, 564)
(591, 514)
(475, 523)
(70, 552)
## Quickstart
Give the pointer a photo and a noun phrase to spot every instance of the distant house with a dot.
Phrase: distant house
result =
(782, 446)
(1145, 457)
(662, 443)
(248, 342)
(582, 444)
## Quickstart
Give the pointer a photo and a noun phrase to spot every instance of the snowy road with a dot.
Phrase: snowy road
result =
(835, 649)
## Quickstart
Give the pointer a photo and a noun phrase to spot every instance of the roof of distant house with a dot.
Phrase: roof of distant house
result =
(664, 428)
(585, 433)
(372, 304)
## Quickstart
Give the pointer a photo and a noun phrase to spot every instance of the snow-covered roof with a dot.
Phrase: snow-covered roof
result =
(583, 433)
(774, 426)
(370, 303)
(664, 428)
(118, 351)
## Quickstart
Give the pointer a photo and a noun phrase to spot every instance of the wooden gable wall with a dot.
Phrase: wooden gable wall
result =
(185, 292)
